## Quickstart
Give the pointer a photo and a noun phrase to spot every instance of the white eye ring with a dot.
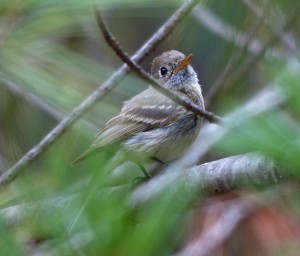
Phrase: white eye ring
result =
(163, 71)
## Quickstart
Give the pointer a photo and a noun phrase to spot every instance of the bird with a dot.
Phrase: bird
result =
(151, 126)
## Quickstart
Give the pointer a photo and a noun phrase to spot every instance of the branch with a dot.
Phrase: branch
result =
(112, 42)
(101, 91)
(219, 176)
(246, 170)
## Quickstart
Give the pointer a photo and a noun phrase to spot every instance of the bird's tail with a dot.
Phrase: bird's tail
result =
(89, 152)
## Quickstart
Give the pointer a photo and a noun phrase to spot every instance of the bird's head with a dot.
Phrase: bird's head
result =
(173, 70)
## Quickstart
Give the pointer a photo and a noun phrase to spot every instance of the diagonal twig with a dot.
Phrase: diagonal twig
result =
(112, 42)
(252, 61)
(221, 28)
(101, 91)
(237, 56)
(218, 26)
(17, 90)
(36, 101)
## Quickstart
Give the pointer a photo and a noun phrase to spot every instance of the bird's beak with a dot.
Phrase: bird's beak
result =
(183, 63)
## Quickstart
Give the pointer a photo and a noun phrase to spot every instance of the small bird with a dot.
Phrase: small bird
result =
(150, 125)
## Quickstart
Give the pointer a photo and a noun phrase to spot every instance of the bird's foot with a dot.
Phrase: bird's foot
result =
(139, 180)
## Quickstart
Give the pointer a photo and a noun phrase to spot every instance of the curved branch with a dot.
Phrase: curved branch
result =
(112, 42)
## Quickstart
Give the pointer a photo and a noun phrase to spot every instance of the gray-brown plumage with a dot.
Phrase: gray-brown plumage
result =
(151, 125)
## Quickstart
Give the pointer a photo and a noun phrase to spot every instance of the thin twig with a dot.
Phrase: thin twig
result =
(36, 101)
(112, 42)
(17, 90)
(220, 81)
(219, 27)
(101, 91)
(255, 58)
(216, 25)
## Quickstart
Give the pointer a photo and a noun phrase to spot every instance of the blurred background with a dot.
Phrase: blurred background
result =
(52, 56)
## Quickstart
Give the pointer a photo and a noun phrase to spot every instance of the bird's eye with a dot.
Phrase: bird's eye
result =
(163, 71)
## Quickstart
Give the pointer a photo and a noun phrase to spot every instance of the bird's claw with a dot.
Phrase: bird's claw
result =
(139, 180)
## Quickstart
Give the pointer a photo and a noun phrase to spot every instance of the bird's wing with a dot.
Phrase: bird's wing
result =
(119, 131)
(136, 120)
(142, 113)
